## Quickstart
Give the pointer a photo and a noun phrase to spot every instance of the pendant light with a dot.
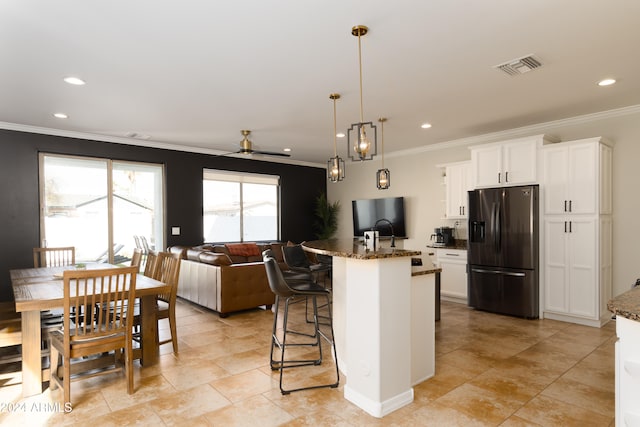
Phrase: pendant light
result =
(363, 148)
(335, 165)
(383, 176)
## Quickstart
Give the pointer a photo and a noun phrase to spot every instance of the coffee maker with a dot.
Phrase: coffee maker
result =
(443, 236)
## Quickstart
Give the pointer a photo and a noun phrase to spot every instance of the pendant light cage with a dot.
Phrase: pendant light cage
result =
(359, 145)
(383, 179)
(383, 176)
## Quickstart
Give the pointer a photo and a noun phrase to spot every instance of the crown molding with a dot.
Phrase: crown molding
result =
(479, 139)
(539, 128)
(146, 143)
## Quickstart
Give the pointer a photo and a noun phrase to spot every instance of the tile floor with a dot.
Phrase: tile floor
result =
(491, 370)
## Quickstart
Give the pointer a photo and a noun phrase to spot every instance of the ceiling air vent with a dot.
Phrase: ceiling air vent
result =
(515, 67)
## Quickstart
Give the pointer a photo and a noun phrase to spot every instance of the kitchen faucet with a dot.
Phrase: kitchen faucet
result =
(393, 238)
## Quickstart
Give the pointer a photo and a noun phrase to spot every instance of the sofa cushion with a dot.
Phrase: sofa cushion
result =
(194, 254)
(214, 258)
(243, 249)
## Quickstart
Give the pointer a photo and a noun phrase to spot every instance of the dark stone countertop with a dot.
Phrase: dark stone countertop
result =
(348, 248)
(457, 244)
(419, 270)
(626, 304)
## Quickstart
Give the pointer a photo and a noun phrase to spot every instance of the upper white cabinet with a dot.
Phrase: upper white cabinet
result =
(458, 182)
(506, 163)
(573, 172)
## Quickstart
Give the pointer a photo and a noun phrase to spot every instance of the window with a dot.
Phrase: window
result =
(240, 207)
(99, 205)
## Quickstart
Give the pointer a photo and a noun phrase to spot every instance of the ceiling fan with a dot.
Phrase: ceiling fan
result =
(246, 147)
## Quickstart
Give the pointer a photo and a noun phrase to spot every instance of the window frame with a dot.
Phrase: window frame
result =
(242, 178)
(109, 166)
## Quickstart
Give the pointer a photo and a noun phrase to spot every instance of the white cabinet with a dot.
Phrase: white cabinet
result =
(458, 182)
(506, 163)
(571, 265)
(570, 178)
(577, 225)
(453, 278)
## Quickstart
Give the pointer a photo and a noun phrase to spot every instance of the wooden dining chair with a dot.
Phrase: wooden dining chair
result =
(167, 270)
(150, 264)
(100, 331)
(10, 335)
(54, 257)
(136, 258)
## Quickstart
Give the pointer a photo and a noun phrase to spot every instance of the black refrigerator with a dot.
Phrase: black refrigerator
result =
(503, 250)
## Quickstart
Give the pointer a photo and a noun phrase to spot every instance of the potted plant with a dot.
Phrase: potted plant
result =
(326, 213)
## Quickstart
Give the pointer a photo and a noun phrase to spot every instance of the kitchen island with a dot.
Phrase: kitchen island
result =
(383, 313)
(626, 307)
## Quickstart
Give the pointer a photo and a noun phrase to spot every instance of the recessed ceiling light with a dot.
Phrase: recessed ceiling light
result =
(606, 82)
(287, 150)
(340, 135)
(60, 115)
(74, 81)
(425, 125)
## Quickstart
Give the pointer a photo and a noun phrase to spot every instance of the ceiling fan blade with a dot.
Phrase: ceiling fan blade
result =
(270, 153)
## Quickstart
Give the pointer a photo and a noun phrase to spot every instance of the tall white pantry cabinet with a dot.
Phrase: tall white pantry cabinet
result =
(577, 228)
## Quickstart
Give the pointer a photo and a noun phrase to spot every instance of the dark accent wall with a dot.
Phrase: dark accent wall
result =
(19, 193)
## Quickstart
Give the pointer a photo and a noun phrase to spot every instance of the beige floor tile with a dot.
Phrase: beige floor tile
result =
(481, 403)
(490, 370)
(551, 412)
(255, 411)
(176, 408)
(437, 414)
(581, 395)
(244, 385)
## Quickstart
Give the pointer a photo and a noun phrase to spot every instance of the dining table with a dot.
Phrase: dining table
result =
(40, 289)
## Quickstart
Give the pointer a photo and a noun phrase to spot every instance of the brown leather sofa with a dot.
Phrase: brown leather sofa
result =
(226, 278)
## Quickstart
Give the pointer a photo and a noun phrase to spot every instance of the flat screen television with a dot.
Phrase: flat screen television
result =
(367, 212)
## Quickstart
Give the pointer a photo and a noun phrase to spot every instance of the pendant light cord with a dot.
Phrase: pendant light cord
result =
(360, 63)
(335, 130)
(382, 131)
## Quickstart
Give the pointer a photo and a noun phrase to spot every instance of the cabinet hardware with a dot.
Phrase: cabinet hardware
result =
(506, 177)
(565, 226)
(565, 205)
(570, 206)
(570, 226)
(498, 177)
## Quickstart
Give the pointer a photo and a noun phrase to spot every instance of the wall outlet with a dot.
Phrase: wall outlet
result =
(175, 231)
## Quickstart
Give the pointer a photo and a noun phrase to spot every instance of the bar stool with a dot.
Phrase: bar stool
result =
(289, 290)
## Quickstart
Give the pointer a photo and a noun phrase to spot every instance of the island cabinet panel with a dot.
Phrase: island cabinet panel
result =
(627, 372)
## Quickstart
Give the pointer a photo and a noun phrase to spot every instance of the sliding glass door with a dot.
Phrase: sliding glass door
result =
(99, 205)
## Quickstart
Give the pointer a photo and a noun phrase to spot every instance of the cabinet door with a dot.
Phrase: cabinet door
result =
(519, 163)
(457, 181)
(486, 163)
(556, 266)
(583, 181)
(453, 279)
(556, 177)
(583, 279)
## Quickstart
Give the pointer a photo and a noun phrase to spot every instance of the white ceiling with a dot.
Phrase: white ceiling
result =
(192, 74)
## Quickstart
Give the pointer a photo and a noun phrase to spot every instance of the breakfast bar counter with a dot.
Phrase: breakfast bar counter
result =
(626, 307)
(377, 300)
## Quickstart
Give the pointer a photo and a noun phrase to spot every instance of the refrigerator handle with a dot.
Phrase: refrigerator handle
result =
(498, 228)
(504, 273)
(493, 225)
